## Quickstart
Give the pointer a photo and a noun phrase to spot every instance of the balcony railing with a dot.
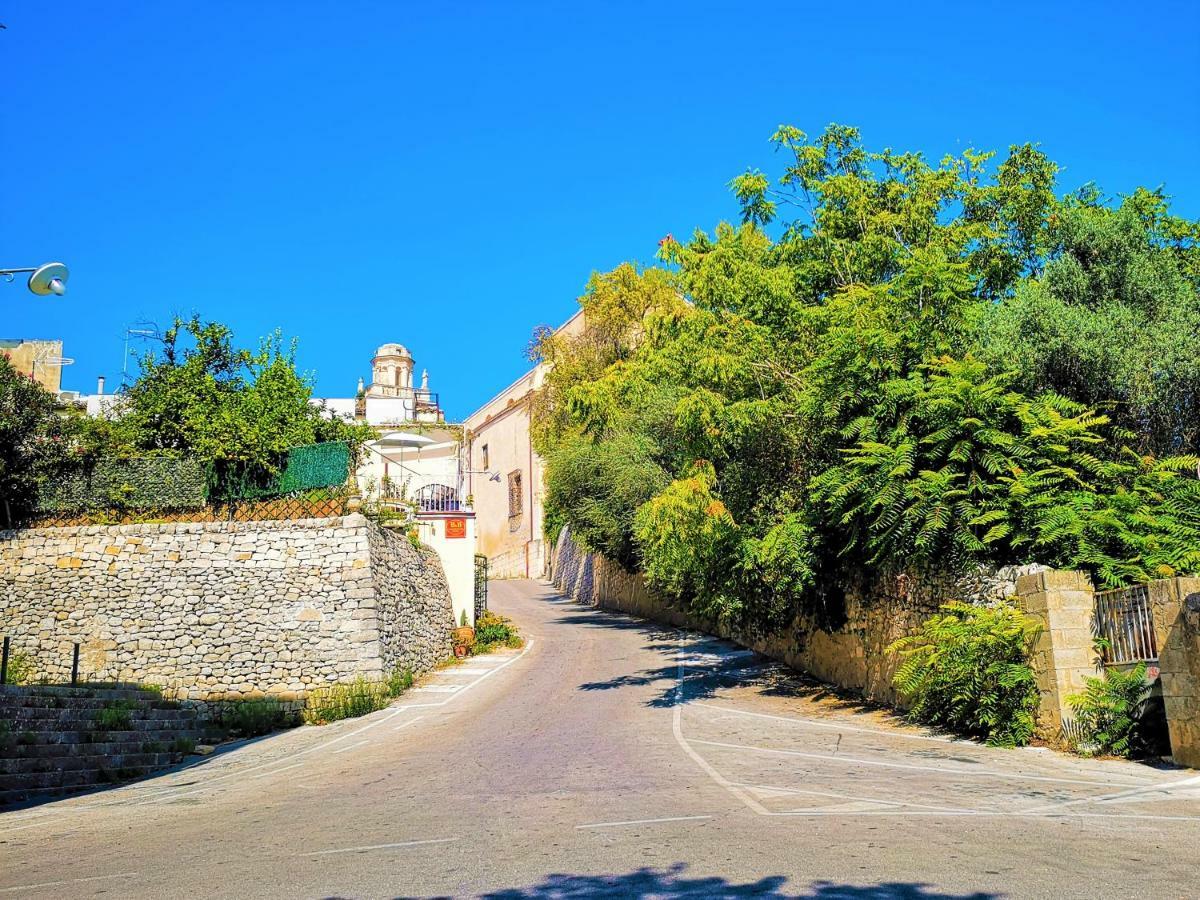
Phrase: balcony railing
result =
(431, 498)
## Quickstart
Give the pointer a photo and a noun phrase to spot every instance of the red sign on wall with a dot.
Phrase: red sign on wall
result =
(456, 528)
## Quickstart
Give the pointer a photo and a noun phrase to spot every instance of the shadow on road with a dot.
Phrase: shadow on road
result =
(674, 882)
(705, 679)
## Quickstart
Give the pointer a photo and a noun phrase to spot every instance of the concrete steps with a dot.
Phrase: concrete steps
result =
(55, 739)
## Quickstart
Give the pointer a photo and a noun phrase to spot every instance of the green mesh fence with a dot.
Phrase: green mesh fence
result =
(156, 482)
(315, 466)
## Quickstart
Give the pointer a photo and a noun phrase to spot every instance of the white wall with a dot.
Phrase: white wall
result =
(458, 559)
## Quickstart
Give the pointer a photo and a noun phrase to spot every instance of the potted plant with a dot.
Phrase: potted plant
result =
(463, 637)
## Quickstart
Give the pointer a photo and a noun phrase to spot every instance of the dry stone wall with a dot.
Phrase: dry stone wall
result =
(412, 600)
(223, 610)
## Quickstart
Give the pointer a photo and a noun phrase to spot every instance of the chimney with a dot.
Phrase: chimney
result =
(100, 385)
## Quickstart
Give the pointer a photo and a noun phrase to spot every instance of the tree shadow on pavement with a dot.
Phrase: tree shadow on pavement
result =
(674, 882)
(727, 666)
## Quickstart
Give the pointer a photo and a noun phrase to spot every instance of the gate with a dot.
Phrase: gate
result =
(481, 585)
(1125, 621)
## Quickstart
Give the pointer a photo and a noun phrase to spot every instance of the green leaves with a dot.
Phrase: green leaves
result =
(1108, 712)
(889, 362)
(949, 463)
(236, 409)
(967, 669)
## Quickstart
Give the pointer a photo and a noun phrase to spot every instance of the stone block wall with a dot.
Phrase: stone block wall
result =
(213, 611)
(1175, 606)
(1063, 658)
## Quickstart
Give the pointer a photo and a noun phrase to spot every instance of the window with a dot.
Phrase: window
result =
(483, 452)
(514, 494)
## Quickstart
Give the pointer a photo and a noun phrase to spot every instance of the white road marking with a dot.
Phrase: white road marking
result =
(817, 723)
(411, 721)
(463, 671)
(921, 813)
(44, 884)
(380, 847)
(643, 821)
(163, 799)
(439, 688)
(350, 747)
(677, 730)
(941, 770)
(277, 771)
(1120, 796)
(770, 788)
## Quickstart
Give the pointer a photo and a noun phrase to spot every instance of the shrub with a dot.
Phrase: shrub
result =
(1109, 712)
(183, 745)
(968, 670)
(493, 630)
(346, 700)
(251, 718)
(115, 716)
(21, 669)
(399, 681)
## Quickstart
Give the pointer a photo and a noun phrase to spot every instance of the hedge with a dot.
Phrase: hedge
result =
(156, 482)
(315, 466)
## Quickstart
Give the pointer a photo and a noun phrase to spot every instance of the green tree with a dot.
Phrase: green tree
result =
(1113, 319)
(850, 380)
(36, 442)
(237, 408)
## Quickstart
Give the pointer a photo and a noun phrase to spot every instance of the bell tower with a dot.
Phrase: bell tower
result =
(391, 372)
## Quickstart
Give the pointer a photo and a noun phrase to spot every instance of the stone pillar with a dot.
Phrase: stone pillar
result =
(1063, 656)
(1176, 608)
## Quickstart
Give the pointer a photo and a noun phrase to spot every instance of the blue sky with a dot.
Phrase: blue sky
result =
(448, 175)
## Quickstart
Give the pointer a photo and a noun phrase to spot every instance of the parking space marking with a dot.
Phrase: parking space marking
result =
(1121, 796)
(817, 723)
(396, 846)
(860, 806)
(941, 770)
(783, 791)
(642, 822)
(46, 884)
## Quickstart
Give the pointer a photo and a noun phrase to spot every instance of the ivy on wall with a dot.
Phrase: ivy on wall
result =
(156, 482)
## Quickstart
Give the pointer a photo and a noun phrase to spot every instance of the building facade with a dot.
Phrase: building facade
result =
(40, 360)
(505, 475)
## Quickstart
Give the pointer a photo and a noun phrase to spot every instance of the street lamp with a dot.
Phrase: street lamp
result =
(50, 278)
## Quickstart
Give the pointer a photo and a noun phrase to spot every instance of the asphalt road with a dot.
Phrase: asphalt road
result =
(617, 758)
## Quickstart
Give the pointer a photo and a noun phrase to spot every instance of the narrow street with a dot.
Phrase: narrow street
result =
(613, 757)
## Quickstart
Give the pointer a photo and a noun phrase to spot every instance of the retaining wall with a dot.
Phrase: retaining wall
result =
(224, 610)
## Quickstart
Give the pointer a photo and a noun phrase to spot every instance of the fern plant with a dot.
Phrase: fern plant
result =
(1146, 525)
(968, 670)
(1108, 713)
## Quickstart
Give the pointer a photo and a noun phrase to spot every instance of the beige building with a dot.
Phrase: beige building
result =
(505, 476)
(43, 360)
